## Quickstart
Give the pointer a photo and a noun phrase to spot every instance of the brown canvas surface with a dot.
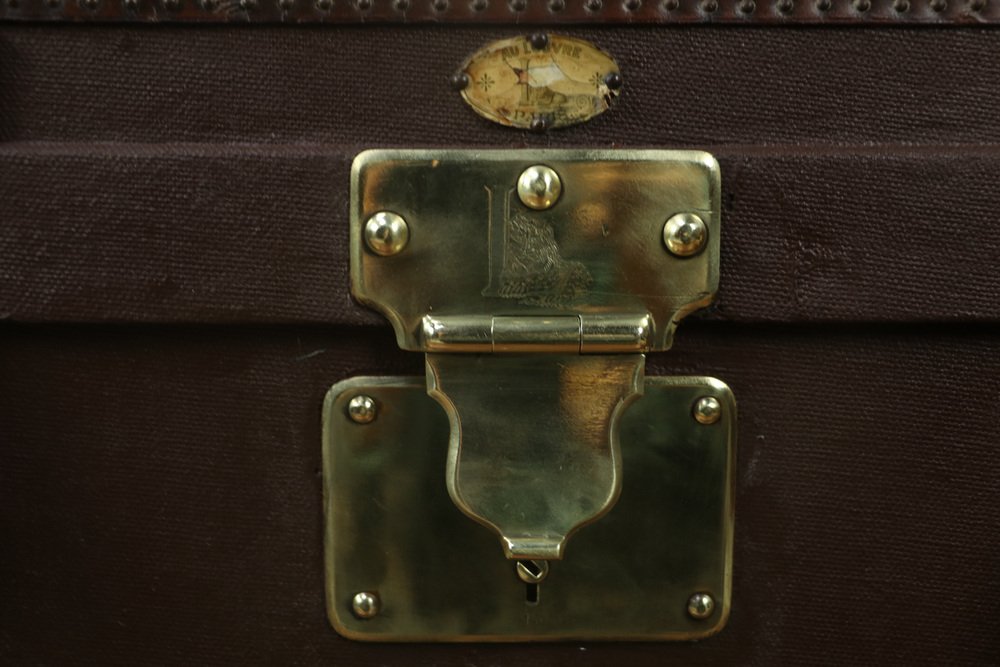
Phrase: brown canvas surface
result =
(174, 305)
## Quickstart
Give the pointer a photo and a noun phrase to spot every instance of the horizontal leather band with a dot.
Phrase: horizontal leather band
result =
(840, 12)
(258, 233)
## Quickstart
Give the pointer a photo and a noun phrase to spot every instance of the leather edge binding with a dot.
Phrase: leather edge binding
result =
(555, 12)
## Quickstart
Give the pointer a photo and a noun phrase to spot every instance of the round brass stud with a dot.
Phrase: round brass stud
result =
(685, 234)
(365, 604)
(707, 410)
(539, 187)
(700, 606)
(386, 233)
(362, 409)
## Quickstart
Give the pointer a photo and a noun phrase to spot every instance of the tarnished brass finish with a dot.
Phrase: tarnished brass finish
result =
(476, 253)
(534, 282)
(540, 84)
(534, 451)
(392, 528)
(556, 253)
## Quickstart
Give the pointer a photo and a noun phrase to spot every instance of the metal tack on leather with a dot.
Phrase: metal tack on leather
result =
(520, 12)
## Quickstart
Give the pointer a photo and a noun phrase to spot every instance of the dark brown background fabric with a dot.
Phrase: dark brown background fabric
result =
(174, 305)
(160, 497)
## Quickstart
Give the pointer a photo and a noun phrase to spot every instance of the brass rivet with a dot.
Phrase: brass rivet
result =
(593, 5)
(362, 409)
(707, 410)
(532, 571)
(824, 5)
(386, 233)
(939, 5)
(785, 6)
(701, 606)
(365, 604)
(633, 5)
(862, 5)
(539, 187)
(684, 234)
(747, 6)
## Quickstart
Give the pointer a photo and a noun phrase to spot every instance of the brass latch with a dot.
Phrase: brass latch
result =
(534, 282)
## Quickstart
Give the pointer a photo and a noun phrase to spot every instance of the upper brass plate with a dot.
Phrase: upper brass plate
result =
(478, 261)
(564, 82)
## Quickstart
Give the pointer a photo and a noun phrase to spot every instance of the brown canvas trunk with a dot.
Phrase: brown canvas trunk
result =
(174, 304)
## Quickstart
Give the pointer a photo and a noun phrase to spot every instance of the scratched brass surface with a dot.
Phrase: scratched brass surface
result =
(392, 529)
(534, 446)
(513, 82)
(475, 250)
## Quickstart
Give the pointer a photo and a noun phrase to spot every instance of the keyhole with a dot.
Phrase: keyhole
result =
(532, 572)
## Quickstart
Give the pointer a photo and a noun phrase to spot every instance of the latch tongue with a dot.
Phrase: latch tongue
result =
(534, 307)
(534, 443)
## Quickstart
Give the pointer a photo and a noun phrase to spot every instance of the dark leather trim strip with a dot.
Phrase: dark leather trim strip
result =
(840, 12)
(257, 233)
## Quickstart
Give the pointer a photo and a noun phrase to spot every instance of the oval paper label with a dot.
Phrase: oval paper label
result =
(566, 81)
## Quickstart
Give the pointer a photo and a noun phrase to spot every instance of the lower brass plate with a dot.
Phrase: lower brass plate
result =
(393, 531)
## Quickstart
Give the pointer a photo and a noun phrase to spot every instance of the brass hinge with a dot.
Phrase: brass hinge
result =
(534, 282)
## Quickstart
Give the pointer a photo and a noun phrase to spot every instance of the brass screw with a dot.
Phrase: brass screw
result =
(701, 606)
(386, 233)
(539, 187)
(365, 604)
(707, 410)
(685, 234)
(362, 409)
